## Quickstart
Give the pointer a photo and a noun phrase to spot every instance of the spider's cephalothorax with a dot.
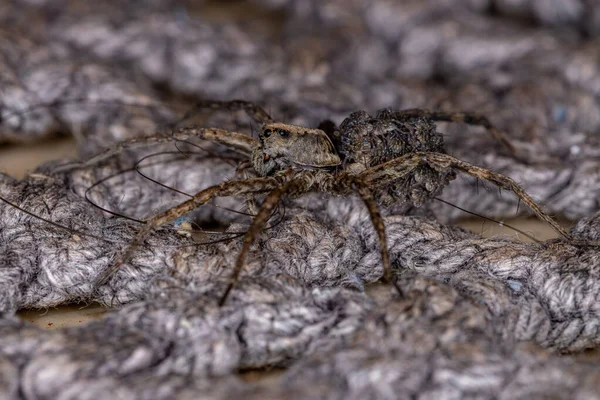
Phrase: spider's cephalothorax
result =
(371, 141)
(282, 146)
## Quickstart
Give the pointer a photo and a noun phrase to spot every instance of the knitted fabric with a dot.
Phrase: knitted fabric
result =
(481, 318)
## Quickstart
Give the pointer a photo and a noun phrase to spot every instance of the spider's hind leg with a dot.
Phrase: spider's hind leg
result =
(468, 118)
(397, 168)
(501, 181)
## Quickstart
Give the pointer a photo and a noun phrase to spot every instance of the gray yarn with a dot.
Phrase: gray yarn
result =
(436, 343)
(482, 318)
(72, 93)
(264, 71)
(575, 14)
(180, 331)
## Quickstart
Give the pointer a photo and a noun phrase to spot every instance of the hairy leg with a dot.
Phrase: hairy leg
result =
(240, 174)
(266, 209)
(461, 117)
(236, 141)
(401, 166)
(253, 110)
(367, 197)
(230, 188)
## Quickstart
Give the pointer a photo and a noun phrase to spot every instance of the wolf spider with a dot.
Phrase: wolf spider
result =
(397, 156)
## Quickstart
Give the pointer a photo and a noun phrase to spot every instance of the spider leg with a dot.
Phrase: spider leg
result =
(469, 118)
(229, 188)
(399, 167)
(241, 173)
(367, 197)
(270, 202)
(254, 111)
(237, 141)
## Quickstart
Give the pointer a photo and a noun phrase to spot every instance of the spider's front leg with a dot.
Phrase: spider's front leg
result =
(367, 197)
(399, 167)
(265, 211)
(238, 142)
(230, 188)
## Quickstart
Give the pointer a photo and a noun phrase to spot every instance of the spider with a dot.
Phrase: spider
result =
(396, 156)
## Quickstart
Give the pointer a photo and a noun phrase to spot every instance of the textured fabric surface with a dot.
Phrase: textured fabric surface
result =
(481, 318)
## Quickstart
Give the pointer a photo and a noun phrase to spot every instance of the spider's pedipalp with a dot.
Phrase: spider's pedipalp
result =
(241, 172)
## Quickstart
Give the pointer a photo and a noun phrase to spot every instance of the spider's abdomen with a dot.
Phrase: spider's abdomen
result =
(371, 141)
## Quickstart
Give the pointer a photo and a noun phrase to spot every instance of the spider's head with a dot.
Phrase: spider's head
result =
(282, 146)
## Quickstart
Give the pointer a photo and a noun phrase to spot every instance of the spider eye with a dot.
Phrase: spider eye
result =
(267, 133)
(283, 133)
